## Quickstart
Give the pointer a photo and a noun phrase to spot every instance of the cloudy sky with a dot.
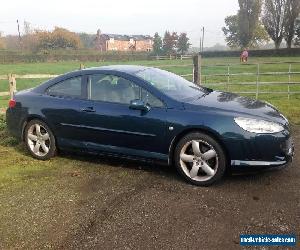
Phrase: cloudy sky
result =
(122, 16)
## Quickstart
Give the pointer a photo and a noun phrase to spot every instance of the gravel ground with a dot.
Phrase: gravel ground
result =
(91, 203)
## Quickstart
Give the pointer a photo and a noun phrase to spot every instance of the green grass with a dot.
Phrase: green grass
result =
(290, 107)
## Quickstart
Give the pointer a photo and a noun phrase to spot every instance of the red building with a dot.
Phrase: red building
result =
(110, 42)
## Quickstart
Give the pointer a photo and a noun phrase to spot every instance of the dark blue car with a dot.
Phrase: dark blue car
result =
(147, 113)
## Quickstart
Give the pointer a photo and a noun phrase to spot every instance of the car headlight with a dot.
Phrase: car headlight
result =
(258, 126)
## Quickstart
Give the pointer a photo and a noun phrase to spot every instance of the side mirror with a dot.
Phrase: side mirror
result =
(139, 105)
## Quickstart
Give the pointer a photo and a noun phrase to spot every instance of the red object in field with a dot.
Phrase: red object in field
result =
(12, 103)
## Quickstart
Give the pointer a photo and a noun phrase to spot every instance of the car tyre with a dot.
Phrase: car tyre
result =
(39, 140)
(200, 159)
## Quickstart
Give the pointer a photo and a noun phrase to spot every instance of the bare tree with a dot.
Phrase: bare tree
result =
(292, 11)
(27, 28)
(273, 19)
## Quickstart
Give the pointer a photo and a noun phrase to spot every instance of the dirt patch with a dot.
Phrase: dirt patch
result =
(87, 202)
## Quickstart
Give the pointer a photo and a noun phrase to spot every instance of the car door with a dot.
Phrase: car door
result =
(111, 125)
(62, 108)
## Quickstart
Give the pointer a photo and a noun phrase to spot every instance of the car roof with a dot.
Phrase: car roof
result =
(121, 68)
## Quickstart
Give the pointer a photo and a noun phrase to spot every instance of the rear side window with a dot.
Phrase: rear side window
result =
(67, 88)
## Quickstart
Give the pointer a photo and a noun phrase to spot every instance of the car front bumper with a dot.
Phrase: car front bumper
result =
(262, 152)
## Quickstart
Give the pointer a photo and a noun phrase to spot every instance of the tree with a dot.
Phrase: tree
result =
(183, 44)
(12, 42)
(2, 42)
(231, 31)
(248, 20)
(29, 40)
(292, 11)
(169, 43)
(260, 36)
(233, 35)
(87, 40)
(157, 44)
(297, 32)
(59, 38)
(273, 20)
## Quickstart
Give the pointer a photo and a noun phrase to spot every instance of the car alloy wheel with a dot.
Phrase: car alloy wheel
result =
(39, 140)
(200, 159)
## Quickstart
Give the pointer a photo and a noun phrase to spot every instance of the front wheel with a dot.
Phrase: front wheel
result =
(39, 140)
(200, 159)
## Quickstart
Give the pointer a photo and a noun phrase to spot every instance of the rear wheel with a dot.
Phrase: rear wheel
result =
(200, 159)
(39, 140)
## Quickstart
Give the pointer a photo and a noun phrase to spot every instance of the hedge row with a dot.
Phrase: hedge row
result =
(82, 56)
(258, 53)
(8, 56)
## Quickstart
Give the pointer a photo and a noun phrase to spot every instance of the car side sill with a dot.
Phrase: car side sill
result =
(257, 163)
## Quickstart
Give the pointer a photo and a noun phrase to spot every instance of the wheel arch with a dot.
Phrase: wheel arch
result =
(30, 118)
(183, 133)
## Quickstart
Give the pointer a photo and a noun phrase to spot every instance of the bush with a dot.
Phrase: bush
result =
(5, 138)
(2, 122)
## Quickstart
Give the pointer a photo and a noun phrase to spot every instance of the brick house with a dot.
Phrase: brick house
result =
(110, 42)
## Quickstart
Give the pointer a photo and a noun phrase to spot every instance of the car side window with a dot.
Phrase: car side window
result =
(150, 99)
(67, 88)
(110, 88)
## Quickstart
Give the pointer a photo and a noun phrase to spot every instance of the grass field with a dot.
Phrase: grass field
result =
(51, 203)
(290, 107)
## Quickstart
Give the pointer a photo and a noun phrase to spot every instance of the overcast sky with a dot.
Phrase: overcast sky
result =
(122, 16)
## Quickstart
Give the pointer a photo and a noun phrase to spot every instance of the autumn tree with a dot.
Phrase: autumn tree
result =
(59, 38)
(183, 44)
(292, 11)
(248, 20)
(169, 43)
(273, 20)
(157, 44)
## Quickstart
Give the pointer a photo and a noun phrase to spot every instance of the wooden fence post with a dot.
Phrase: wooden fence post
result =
(12, 85)
(257, 81)
(228, 77)
(197, 69)
(290, 71)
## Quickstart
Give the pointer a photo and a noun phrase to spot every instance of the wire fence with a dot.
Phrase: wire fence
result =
(239, 77)
(249, 78)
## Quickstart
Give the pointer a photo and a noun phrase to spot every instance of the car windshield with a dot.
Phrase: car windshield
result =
(170, 84)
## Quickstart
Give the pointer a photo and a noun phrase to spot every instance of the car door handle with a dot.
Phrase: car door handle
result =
(88, 109)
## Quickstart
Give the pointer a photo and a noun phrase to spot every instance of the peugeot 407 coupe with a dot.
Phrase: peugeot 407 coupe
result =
(147, 113)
